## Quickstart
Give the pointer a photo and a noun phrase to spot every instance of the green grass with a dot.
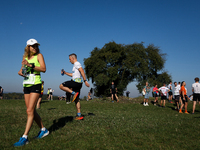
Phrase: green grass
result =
(106, 125)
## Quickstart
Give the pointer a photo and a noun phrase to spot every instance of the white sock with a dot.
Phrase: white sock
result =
(43, 129)
(25, 136)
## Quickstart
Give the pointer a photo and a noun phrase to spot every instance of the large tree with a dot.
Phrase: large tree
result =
(124, 64)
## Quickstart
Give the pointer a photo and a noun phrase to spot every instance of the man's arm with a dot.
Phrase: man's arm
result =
(83, 75)
(69, 74)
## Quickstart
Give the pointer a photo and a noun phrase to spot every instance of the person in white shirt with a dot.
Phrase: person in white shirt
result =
(75, 83)
(170, 94)
(196, 93)
(176, 94)
(164, 90)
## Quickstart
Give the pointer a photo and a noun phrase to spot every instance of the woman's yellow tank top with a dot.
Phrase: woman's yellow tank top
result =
(32, 71)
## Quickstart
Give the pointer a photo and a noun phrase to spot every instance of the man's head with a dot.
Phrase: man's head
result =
(147, 83)
(72, 58)
(175, 83)
(112, 83)
(196, 79)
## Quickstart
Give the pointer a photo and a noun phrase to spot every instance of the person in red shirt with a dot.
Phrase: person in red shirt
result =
(155, 94)
(184, 98)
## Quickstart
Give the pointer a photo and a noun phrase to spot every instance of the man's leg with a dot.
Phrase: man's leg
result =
(194, 105)
(117, 98)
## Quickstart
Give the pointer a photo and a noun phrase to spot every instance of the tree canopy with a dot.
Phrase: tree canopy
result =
(124, 64)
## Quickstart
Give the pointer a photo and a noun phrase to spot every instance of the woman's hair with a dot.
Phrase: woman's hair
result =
(182, 83)
(27, 52)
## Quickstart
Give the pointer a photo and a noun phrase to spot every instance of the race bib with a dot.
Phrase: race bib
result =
(29, 79)
(79, 80)
(176, 93)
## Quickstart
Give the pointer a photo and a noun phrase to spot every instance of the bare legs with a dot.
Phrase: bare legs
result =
(31, 100)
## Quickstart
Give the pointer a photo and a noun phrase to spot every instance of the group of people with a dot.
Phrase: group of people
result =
(32, 65)
(181, 97)
(50, 94)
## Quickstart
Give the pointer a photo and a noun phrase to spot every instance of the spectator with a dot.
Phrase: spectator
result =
(113, 91)
(170, 94)
(146, 89)
(176, 94)
(1, 92)
(164, 90)
(184, 98)
(155, 94)
(51, 93)
(196, 93)
(127, 94)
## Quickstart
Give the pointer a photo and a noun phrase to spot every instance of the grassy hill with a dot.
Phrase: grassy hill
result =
(106, 125)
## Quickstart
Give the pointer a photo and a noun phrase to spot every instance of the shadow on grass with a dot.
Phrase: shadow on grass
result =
(43, 101)
(60, 123)
(51, 108)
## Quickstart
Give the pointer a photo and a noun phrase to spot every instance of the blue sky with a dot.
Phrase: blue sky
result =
(78, 26)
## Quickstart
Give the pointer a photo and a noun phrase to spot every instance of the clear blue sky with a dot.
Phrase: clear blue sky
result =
(77, 26)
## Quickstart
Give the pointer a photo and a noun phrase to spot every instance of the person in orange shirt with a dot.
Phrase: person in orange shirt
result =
(184, 98)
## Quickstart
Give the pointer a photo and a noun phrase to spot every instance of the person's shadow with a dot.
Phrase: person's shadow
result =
(60, 123)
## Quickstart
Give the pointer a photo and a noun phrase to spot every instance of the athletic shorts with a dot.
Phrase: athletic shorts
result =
(50, 93)
(163, 97)
(186, 100)
(196, 97)
(113, 92)
(170, 93)
(176, 97)
(41, 94)
(76, 87)
(33, 89)
(1, 94)
(155, 94)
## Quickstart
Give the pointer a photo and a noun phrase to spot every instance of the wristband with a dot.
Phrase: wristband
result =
(33, 66)
(85, 80)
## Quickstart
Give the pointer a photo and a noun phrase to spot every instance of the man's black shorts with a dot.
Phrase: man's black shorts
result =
(176, 97)
(33, 89)
(163, 97)
(170, 93)
(196, 97)
(76, 87)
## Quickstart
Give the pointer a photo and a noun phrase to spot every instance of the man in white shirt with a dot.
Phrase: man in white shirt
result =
(75, 83)
(196, 93)
(164, 90)
(176, 94)
(170, 94)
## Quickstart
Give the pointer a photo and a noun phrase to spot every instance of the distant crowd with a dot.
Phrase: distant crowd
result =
(179, 91)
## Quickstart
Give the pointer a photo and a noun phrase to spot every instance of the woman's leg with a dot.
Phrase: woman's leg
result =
(31, 100)
(38, 103)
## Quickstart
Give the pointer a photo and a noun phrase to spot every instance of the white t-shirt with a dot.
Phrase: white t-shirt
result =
(196, 88)
(164, 90)
(170, 87)
(176, 90)
(75, 71)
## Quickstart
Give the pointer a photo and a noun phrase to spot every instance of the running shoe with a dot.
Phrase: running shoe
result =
(75, 96)
(186, 112)
(79, 118)
(42, 134)
(180, 112)
(22, 141)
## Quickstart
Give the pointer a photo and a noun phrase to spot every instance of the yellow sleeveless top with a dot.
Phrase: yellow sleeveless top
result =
(32, 71)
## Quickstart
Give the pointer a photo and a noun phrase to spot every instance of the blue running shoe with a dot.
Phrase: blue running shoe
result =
(42, 134)
(22, 141)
